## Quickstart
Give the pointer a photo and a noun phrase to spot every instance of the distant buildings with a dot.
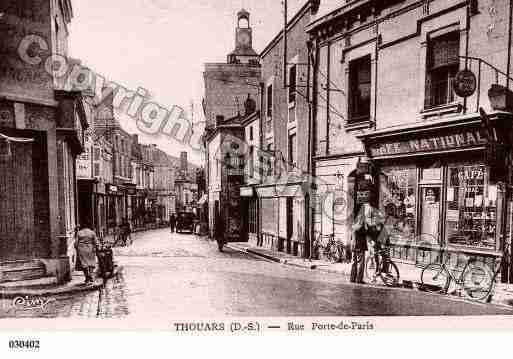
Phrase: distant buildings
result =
(125, 179)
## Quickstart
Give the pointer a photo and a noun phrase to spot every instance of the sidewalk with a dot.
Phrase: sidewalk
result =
(45, 287)
(409, 275)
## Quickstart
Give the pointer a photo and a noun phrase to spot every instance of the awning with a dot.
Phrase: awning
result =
(266, 192)
(289, 190)
(280, 190)
(247, 192)
(203, 200)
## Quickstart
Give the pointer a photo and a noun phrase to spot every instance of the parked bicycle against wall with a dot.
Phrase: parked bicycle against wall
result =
(475, 279)
(331, 249)
(498, 268)
(385, 268)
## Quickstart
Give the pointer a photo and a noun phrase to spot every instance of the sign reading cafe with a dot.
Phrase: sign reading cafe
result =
(432, 143)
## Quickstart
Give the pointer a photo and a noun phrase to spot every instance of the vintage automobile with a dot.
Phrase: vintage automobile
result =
(185, 222)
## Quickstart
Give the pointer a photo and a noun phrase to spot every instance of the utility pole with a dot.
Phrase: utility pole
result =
(285, 9)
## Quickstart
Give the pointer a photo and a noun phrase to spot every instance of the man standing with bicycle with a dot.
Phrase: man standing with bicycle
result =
(368, 227)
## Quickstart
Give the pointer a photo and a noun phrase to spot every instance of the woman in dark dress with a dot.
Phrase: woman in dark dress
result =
(87, 244)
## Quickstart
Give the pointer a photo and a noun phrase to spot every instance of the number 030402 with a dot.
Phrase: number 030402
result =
(24, 344)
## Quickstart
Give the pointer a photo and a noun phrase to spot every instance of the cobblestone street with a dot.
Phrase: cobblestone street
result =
(177, 276)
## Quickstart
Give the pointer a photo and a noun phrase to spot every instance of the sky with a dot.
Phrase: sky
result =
(162, 45)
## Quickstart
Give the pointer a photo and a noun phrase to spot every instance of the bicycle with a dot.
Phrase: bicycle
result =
(476, 262)
(332, 250)
(389, 275)
(475, 280)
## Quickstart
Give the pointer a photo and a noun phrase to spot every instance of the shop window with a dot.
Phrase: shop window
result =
(253, 220)
(268, 211)
(359, 90)
(398, 202)
(442, 66)
(471, 218)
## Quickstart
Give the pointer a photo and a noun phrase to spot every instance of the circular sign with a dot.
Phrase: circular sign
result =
(464, 83)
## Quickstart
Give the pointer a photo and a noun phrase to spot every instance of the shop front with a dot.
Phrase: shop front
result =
(249, 214)
(440, 187)
(282, 218)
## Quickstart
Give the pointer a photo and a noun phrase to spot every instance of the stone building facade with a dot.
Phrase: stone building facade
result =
(285, 135)
(41, 133)
(384, 83)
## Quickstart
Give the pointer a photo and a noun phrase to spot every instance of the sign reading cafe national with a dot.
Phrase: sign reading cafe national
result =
(433, 143)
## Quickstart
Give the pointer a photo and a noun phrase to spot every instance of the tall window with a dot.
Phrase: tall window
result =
(292, 83)
(251, 133)
(442, 66)
(269, 110)
(292, 151)
(359, 89)
(251, 166)
(269, 159)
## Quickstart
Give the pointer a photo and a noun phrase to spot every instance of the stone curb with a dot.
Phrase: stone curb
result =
(57, 290)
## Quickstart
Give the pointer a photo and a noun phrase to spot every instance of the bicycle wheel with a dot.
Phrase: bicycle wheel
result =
(370, 268)
(390, 276)
(434, 278)
(477, 281)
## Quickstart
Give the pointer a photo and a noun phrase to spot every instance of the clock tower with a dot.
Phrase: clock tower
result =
(243, 52)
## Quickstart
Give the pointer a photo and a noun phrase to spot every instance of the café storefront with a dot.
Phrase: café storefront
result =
(440, 186)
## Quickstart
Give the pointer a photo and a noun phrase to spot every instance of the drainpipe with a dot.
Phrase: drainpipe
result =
(312, 52)
(467, 40)
(508, 182)
(260, 146)
(508, 71)
(285, 43)
(308, 210)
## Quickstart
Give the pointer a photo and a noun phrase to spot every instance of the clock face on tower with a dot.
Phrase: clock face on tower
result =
(244, 38)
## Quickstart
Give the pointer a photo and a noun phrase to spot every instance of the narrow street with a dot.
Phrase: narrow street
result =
(180, 275)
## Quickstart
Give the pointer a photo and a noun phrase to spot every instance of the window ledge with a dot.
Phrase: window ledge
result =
(359, 125)
(437, 111)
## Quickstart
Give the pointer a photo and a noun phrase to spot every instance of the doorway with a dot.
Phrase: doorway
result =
(290, 222)
(18, 240)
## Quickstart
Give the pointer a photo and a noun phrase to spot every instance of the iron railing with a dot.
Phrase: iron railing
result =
(486, 75)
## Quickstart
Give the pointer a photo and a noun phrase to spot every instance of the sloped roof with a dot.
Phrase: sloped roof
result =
(329, 8)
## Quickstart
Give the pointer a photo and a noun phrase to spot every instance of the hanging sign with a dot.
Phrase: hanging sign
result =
(464, 83)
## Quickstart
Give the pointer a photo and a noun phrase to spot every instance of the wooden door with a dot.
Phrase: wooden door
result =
(17, 232)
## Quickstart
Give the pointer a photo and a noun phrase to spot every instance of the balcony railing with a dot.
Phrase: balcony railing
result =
(486, 76)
